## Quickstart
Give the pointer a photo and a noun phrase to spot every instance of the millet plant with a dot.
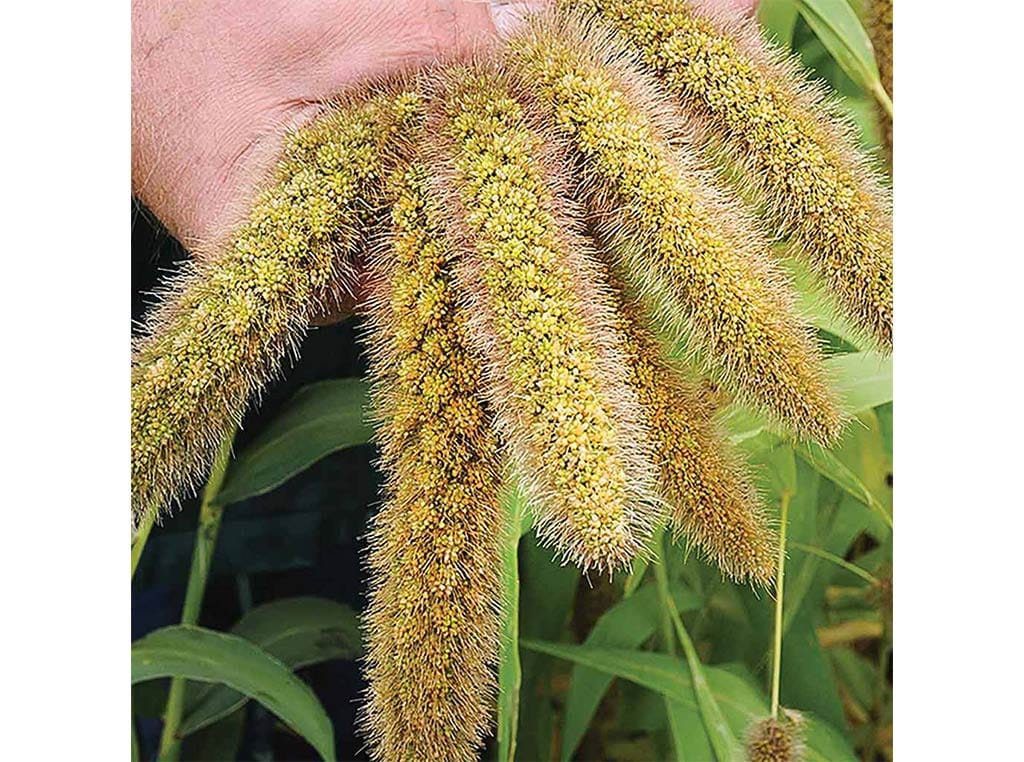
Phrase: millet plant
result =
(538, 230)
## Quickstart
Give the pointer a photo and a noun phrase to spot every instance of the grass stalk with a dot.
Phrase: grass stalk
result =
(210, 515)
(779, 587)
(139, 541)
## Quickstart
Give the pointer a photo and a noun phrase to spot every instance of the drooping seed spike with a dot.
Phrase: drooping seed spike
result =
(715, 505)
(679, 240)
(777, 740)
(225, 323)
(798, 152)
(542, 322)
(434, 614)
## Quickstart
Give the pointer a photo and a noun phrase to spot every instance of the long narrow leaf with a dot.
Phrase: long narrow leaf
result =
(298, 632)
(320, 419)
(741, 703)
(842, 34)
(628, 624)
(826, 464)
(195, 653)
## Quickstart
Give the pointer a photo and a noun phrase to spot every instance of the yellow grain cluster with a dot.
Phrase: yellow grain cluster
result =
(433, 619)
(555, 378)
(714, 503)
(225, 324)
(803, 160)
(676, 238)
(776, 740)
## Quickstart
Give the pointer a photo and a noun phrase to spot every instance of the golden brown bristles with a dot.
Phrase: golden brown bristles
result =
(225, 324)
(777, 740)
(678, 240)
(818, 187)
(880, 27)
(555, 376)
(714, 503)
(433, 619)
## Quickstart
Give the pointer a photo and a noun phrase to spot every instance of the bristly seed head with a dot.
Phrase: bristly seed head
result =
(555, 374)
(771, 120)
(714, 503)
(679, 241)
(220, 333)
(434, 613)
(777, 740)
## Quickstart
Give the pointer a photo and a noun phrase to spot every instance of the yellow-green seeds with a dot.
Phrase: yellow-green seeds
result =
(818, 187)
(433, 618)
(714, 502)
(777, 739)
(220, 334)
(541, 320)
(501, 346)
(678, 241)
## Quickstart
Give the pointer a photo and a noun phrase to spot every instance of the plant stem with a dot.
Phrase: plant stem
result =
(210, 515)
(661, 575)
(510, 675)
(139, 543)
(779, 587)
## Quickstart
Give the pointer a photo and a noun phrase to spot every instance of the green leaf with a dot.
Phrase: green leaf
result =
(218, 742)
(298, 632)
(864, 379)
(816, 304)
(741, 703)
(546, 592)
(724, 742)
(195, 653)
(842, 34)
(627, 624)
(509, 670)
(778, 18)
(829, 466)
(689, 736)
(320, 419)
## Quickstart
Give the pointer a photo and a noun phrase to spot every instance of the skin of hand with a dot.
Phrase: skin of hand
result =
(216, 84)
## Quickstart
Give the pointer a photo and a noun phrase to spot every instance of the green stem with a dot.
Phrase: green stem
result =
(882, 97)
(210, 515)
(139, 543)
(779, 588)
(510, 675)
(661, 575)
(840, 562)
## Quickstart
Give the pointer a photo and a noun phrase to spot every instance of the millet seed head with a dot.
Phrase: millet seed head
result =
(776, 740)
(554, 370)
(679, 240)
(798, 152)
(715, 505)
(434, 613)
(224, 324)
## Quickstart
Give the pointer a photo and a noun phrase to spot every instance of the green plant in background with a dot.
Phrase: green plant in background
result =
(697, 656)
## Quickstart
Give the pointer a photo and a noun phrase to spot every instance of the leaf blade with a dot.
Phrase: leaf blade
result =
(298, 632)
(320, 419)
(195, 653)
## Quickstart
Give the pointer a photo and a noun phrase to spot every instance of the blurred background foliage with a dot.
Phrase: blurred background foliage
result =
(593, 669)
